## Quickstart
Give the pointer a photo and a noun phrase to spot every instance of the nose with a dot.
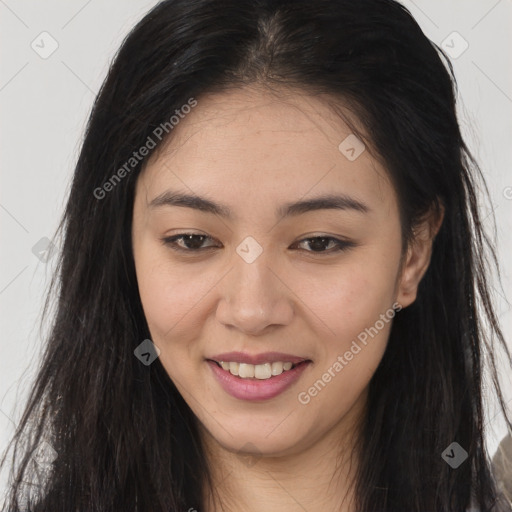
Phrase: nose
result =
(254, 297)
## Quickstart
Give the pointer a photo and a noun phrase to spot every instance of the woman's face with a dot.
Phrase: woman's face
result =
(254, 284)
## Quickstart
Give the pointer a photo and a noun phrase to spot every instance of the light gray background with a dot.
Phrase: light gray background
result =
(45, 103)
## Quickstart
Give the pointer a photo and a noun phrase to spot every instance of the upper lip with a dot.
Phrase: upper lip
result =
(266, 357)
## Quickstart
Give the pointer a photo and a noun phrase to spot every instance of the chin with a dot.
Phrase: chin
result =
(257, 440)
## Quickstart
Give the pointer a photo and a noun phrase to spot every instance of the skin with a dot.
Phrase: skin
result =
(252, 151)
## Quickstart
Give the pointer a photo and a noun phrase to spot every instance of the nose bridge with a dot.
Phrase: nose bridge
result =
(252, 272)
(253, 297)
(254, 282)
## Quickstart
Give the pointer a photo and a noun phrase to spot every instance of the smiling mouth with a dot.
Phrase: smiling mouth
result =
(259, 371)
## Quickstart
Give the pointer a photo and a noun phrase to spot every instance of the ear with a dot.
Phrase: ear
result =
(417, 258)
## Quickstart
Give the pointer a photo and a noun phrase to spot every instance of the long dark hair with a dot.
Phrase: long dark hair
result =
(123, 437)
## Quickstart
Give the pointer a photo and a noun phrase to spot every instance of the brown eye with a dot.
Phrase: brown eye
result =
(187, 242)
(193, 242)
(320, 244)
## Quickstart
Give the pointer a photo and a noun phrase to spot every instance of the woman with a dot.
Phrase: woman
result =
(272, 288)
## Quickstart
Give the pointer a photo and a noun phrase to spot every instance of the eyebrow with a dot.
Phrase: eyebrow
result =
(323, 202)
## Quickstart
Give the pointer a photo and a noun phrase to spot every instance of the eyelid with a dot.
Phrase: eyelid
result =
(341, 244)
(171, 242)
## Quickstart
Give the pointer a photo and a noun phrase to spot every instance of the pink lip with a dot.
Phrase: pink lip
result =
(266, 357)
(256, 389)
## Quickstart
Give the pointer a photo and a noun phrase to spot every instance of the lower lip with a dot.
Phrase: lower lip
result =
(257, 389)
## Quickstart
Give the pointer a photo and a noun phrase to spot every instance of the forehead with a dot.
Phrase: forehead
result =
(251, 146)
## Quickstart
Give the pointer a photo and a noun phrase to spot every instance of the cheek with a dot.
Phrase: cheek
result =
(358, 311)
(171, 302)
(352, 297)
(355, 306)
(168, 291)
(171, 297)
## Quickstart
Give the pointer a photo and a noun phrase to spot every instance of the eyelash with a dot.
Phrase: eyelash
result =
(340, 245)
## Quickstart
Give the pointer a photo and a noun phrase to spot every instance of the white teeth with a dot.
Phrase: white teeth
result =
(259, 371)
(277, 368)
(246, 370)
(263, 371)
